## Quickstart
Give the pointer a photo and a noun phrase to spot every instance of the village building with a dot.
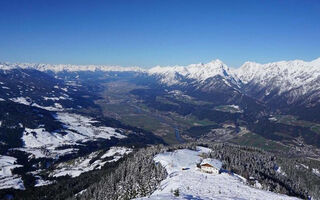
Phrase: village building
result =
(211, 166)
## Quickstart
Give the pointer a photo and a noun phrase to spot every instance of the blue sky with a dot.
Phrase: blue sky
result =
(148, 32)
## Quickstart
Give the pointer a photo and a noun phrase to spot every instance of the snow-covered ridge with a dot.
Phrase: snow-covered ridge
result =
(199, 72)
(67, 67)
(296, 79)
(296, 75)
(251, 70)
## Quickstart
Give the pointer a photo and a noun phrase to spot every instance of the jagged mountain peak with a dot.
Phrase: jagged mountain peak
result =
(298, 80)
(199, 72)
(252, 71)
(214, 63)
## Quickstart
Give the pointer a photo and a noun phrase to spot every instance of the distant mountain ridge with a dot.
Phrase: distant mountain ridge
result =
(294, 81)
(199, 72)
(249, 71)
(66, 67)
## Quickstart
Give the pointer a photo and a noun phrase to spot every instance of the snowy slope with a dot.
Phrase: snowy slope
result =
(41, 143)
(80, 165)
(7, 179)
(28, 101)
(194, 184)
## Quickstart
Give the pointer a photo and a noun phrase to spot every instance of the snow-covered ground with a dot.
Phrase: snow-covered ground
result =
(56, 98)
(229, 108)
(279, 170)
(316, 171)
(80, 165)
(196, 185)
(28, 101)
(273, 119)
(7, 179)
(41, 143)
(41, 182)
(116, 153)
(85, 126)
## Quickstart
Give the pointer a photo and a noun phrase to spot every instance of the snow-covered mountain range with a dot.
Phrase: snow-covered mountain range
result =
(293, 79)
(284, 75)
(66, 67)
(296, 81)
(199, 72)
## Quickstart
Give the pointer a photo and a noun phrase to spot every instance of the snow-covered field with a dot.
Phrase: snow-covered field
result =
(85, 126)
(28, 101)
(197, 185)
(7, 179)
(41, 143)
(116, 153)
(80, 165)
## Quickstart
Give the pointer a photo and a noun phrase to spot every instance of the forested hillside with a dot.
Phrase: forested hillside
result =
(139, 175)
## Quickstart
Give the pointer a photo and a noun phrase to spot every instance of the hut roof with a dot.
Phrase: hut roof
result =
(211, 163)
